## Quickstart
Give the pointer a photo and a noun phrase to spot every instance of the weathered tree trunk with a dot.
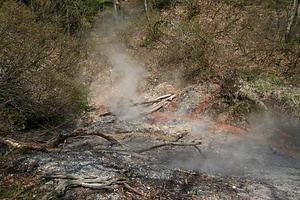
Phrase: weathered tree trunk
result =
(118, 11)
(146, 5)
(293, 12)
(68, 22)
(147, 14)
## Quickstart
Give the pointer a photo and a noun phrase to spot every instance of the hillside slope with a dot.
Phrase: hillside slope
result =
(180, 108)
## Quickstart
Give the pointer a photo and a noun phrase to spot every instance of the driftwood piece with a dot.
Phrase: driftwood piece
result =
(87, 182)
(154, 101)
(159, 105)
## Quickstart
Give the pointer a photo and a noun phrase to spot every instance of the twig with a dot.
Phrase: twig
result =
(109, 138)
(132, 189)
(125, 152)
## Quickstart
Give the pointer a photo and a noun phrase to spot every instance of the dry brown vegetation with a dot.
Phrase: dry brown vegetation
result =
(229, 42)
(41, 47)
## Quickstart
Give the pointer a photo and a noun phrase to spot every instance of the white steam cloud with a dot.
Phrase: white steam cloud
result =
(126, 78)
(118, 76)
(268, 149)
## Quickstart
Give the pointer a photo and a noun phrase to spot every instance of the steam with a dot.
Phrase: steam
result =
(127, 76)
(267, 150)
(118, 87)
(119, 74)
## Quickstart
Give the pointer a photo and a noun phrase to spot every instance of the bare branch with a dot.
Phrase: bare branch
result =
(52, 144)
(193, 144)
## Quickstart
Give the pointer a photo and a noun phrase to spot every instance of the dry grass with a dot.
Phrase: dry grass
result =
(265, 88)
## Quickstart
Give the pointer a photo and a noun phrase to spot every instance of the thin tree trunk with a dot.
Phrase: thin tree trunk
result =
(68, 22)
(292, 18)
(118, 11)
(147, 14)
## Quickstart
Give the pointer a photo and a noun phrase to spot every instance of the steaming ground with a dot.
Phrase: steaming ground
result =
(260, 159)
(267, 155)
(120, 75)
(267, 149)
(231, 166)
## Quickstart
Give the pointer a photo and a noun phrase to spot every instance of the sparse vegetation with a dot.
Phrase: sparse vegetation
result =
(268, 87)
(7, 153)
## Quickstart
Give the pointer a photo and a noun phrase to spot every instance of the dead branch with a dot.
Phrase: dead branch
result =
(159, 105)
(193, 144)
(23, 145)
(66, 176)
(132, 189)
(155, 100)
(155, 108)
(137, 153)
(126, 153)
(109, 138)
(52, 144)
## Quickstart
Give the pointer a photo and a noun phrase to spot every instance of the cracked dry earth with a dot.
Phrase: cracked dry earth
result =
(171, 153)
